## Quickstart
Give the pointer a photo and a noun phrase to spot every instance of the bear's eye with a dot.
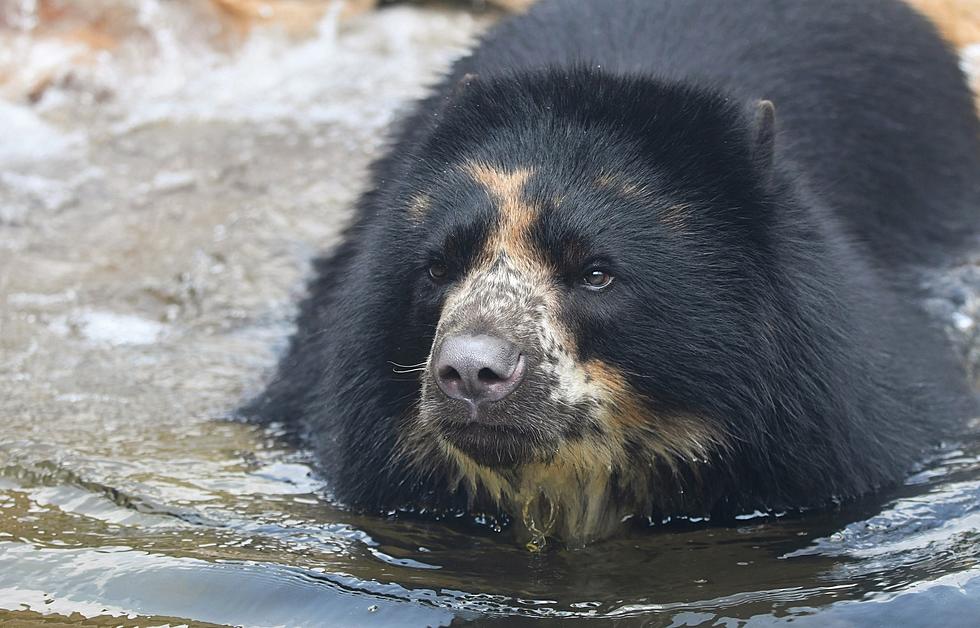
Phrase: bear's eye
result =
(597, 279)
(438, 272)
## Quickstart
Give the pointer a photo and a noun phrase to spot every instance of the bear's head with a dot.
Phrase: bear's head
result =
(588, 257)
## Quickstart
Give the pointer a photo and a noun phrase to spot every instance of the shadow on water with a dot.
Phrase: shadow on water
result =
(151, 250)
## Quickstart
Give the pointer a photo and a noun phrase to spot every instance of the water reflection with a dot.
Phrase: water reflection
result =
(253, 543)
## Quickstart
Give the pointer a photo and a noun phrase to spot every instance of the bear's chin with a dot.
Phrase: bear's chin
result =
(493, 446)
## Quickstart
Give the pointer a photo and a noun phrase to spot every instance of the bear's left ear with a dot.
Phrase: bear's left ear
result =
(763, 134)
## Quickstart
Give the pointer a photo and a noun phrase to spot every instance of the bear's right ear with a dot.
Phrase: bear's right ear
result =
(763, 134)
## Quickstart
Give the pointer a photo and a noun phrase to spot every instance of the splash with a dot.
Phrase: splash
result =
(539, 515)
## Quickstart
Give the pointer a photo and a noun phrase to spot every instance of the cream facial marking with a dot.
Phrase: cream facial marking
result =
(515, 214)
(621, 186)
(676, 216)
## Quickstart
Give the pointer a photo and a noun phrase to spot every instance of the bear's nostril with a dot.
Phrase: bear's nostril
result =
(488, 376)
(449, 374)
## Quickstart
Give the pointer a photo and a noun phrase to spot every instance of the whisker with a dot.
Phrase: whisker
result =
(407, 366)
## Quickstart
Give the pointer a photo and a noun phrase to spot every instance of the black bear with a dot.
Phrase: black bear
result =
(648, 259)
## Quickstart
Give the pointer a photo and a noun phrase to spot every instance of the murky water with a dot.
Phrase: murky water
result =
(163, 184)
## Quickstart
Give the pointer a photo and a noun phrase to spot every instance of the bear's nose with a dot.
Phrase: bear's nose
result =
(479, 368)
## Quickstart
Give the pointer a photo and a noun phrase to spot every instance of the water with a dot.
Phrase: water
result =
(164, 180)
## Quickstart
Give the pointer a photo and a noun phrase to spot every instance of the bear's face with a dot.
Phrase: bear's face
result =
(528, 311)
(504, 384)
(578, 290)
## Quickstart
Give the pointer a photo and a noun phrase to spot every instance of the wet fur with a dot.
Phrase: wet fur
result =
(763, 348)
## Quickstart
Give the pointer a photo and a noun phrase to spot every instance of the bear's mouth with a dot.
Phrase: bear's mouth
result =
(493, 445)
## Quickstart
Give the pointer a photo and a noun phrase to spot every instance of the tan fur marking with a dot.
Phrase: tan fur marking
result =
(616, 391)
(672, 438)
(567, 496)
(621, 186)
(516, 215)
(418, 207)
(675, 216)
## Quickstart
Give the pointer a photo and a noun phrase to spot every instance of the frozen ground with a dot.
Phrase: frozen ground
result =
(164, 180)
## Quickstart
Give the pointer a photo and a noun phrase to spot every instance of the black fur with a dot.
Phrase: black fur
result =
(784, 309)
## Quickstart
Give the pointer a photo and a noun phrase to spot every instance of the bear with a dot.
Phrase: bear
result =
(643, 261)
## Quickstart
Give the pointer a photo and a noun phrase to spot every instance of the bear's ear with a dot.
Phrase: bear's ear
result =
(763, 134)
